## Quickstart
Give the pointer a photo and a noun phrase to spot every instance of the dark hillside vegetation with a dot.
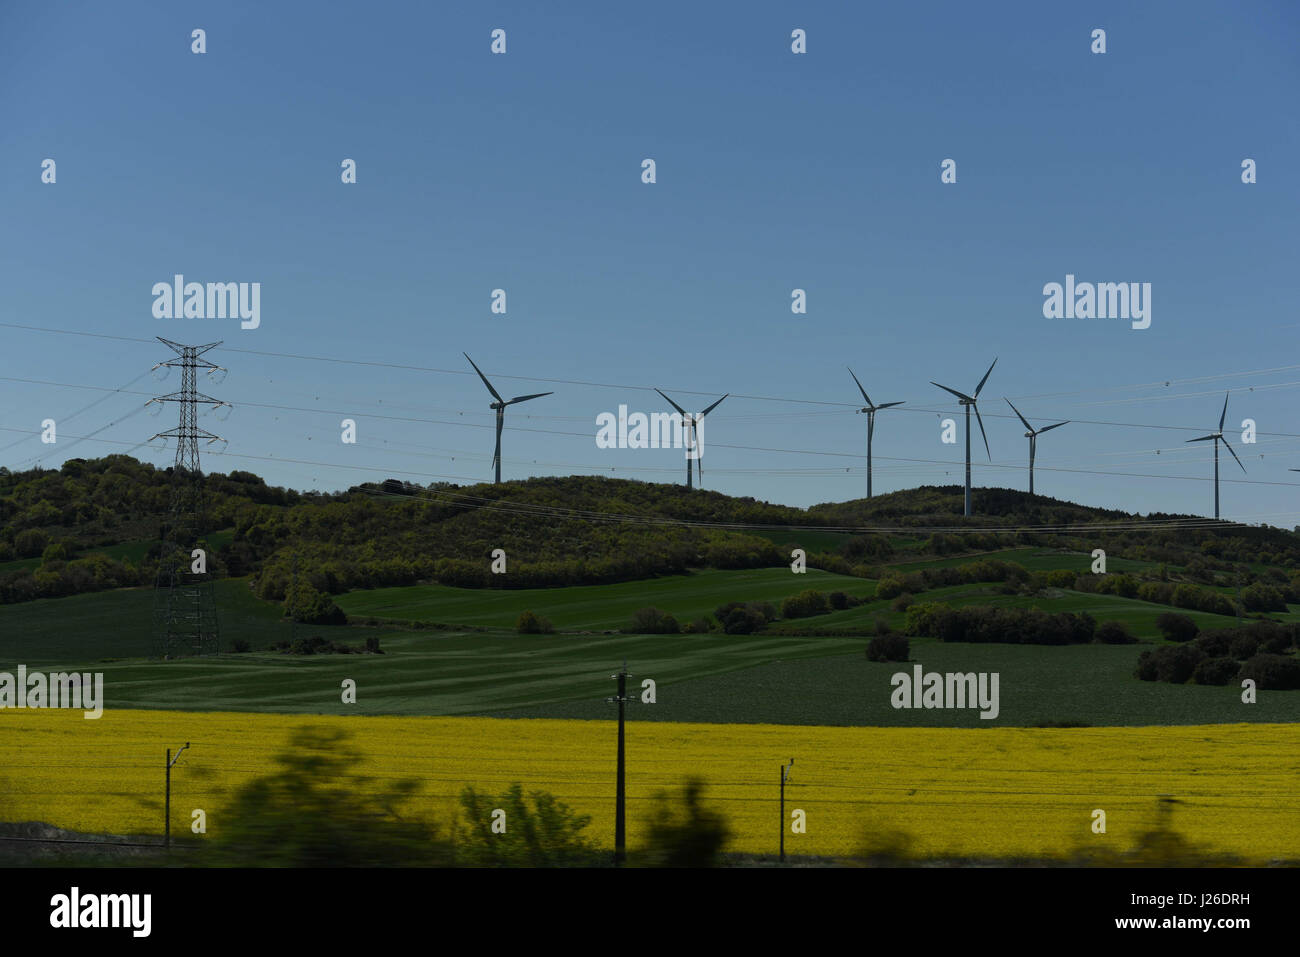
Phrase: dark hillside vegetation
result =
(94, 524)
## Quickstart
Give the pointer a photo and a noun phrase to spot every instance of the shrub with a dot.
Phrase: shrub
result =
(1171, 663)
(1215, 671)
(743, 620)
(890, 647)
(372, 645)
(760, 611)
(30, 542)
(891, 586)
(315, 645)
(1217, 644)
(838, 600)
(1273, 672)
(902, 602)
(927, 618)
(1244, 646)
(1262, 597)
(548, 834)
(239, 646)
(1160, 592)
(1146, 667)
(652, 621)
(805, 604)
(1274, 638)
(1113, 633)
(1126, 586)
(700, 626)
(1059, 578)
(55, 552)
(1176, 627)
(984, 623)
(531, 624)
(304, 603)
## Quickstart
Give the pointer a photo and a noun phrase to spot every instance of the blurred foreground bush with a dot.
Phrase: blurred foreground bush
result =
(317, 812)
(548, 834)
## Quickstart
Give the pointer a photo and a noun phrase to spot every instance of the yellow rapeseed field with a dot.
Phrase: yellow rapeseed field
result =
(997, 791)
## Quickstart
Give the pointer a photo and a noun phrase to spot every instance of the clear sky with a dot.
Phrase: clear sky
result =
(775, 171)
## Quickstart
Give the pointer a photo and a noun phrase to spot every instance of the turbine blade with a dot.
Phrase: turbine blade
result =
(525, 398)
(1223, 415)
(960, 395)
(888, 405)
(496, 455)
(1018, 415)
(1234, 454)
(712, 407)
(1203, 438)
(983, 433)
(672, 403)
(496, 395)
(860, 389)
(985, 379)
(1056, 425)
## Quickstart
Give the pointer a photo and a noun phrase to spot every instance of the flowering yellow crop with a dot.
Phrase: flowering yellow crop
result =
(996, 791)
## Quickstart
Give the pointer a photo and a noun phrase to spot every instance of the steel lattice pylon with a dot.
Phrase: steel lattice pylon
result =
(185, 608)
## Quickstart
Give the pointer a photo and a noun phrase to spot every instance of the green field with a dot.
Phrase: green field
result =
(116, 624)
(480, 666)
(744, 679)
(594, 607)
(1093, 684)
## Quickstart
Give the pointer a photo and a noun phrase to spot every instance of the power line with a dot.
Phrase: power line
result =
(621, 386)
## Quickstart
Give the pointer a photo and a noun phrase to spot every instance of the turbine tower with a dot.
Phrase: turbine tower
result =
(690, 432)
(969, 402)
(1032, 435)
(1218, 437)
(500, 407)
(871, 411)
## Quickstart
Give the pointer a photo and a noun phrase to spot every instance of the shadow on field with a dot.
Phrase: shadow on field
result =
(1159, 845)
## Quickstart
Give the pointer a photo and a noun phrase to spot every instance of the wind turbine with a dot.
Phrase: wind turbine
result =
(969, 402)
(1032, 436)
(1218, 437)
(500, 406)
(871, 411)
(690, 430)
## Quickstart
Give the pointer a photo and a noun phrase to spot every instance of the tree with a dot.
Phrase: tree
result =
(531, 624)
(304, 603)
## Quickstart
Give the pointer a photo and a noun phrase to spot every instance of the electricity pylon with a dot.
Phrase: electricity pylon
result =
(185, 608)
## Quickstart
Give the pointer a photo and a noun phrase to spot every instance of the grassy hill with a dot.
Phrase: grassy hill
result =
(588, 553)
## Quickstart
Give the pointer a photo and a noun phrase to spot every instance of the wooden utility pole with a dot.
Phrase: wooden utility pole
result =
(785, 776)
(167, 798)
(620, 795)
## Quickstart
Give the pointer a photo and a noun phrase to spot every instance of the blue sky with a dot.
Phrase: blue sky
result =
(775, 171)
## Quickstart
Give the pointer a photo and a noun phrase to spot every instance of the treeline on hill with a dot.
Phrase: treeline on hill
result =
(96, 524)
